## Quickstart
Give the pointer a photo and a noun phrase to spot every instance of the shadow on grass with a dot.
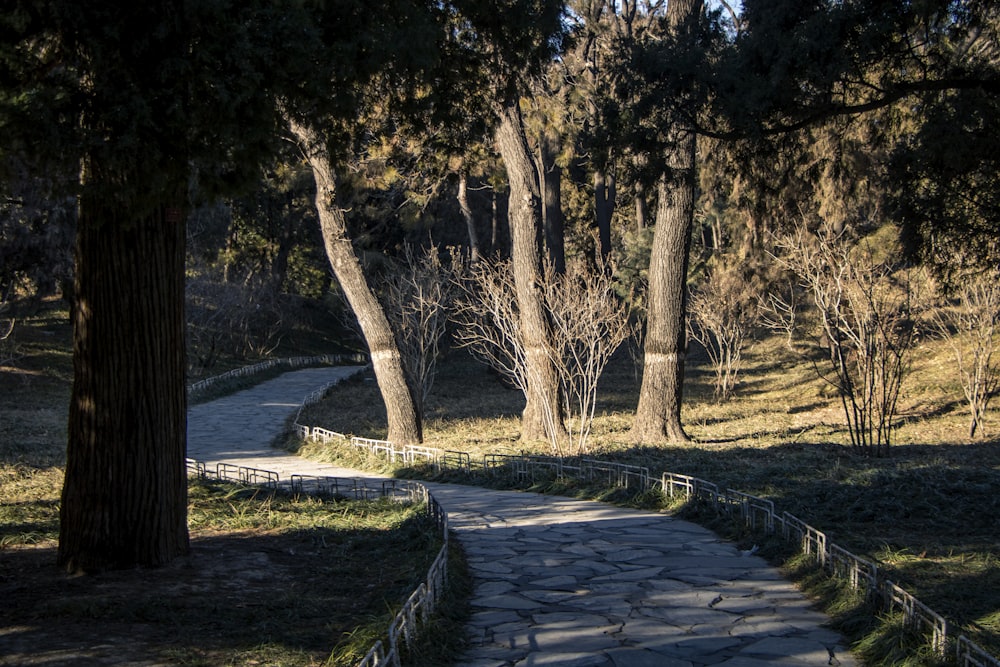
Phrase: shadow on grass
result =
(238, 598)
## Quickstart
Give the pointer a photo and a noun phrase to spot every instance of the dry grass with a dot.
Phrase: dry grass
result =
(930, 512)
(271, 579)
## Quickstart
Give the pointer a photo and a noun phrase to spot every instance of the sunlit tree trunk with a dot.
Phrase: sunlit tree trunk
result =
(658, 415)
(470, 221)
(397, 392)
(542, 411)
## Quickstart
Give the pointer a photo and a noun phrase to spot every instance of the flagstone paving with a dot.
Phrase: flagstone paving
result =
(566, 582)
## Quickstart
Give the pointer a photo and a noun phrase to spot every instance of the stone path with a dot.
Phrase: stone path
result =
(567, 582)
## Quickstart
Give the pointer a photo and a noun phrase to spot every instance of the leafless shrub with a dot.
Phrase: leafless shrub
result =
(418, 297)
(969, 325)
(865, 321)
(779, 311)
(588, 322)
(724, 311)
(231, 319)
(488, 321)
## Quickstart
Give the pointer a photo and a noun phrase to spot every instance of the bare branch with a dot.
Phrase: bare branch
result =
(866, 324)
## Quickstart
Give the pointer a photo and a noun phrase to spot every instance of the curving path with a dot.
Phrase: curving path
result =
(567, 582)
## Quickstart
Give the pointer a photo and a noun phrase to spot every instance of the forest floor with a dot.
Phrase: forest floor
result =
(929, 512)
(270, 580)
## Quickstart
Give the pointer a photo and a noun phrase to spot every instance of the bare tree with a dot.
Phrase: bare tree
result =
(970, 327)
(489, 321)
(779, 311)
(865, 320)
(417, 301)
(724, 312)
(589, 323)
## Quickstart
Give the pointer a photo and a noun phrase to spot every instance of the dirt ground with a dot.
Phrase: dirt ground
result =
(230, 595)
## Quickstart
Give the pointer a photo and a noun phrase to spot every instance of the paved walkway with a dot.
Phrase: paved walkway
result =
(567, 582)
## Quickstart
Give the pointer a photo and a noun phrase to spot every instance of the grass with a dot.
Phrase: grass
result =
(930, 512)
(272, 579)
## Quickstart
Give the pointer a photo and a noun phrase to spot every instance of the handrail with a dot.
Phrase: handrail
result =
(755, 512)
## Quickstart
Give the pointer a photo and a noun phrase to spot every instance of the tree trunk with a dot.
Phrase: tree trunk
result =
(286, 238)
(552, 216)
(470, 221)
(641, 210)
(397, 392)
(124, 498)
(604, 208)
(658, 415)
(542, 412)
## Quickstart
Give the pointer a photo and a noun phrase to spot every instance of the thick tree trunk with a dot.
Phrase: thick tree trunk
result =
(124, 498)
(542, 411)
(658, 415)
(397, 393)
(552, 215)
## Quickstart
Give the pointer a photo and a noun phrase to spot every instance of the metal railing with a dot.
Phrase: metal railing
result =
(291, 362)
(419, 606)
(755, 512)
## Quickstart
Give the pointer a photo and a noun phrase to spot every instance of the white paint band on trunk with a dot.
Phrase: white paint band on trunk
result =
(383, 355)
(658, 358)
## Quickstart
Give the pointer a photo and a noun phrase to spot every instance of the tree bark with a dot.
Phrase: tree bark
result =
(604, 208)
(470, 221)
(542, 415)
(658, 415)
(550, 179)
(641, 210)
(124, 498)
(404, 421)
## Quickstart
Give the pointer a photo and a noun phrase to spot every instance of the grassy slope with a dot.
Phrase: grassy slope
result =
(930, 512)
(368, 556)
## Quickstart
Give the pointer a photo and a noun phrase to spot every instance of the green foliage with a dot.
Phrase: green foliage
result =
(946, 187)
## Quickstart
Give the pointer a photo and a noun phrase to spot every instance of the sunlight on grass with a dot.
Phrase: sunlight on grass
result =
(928, 512)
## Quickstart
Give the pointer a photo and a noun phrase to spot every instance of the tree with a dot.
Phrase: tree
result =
(724, 313)
(970, 327)
(418, 296)
(516, 38)
(866, 320)
(398, 391)
(542, 396)
(658, 415)
(124, 498)
(159, 103)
